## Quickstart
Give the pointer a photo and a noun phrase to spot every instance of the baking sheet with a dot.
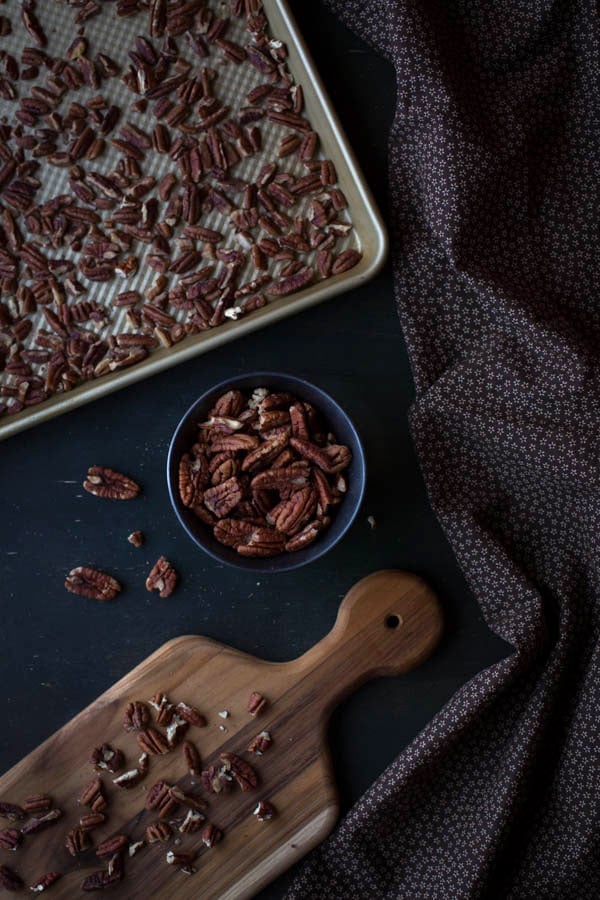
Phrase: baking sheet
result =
(368, 235)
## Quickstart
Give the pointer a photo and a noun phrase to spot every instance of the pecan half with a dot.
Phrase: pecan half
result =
(190, 714)
(136, 538)
(158, 831)
(93, 796)
(192, 822)
(112, 845)
(211, 835)
(87, 582)
(46, 881)
(42, 822)
(308, 534)
(262, 542)
(242, 771)
(153, 741)
(112, 485)
(9, 880)
(256, 703)
(180, 858)
(216, 779)
(137, 716)
(229, 404)
(162, 578)
(10, 838)
(291, 515)
(191, 758)
(77, 841)
(106, 757)
(223, 498)
(129, 779)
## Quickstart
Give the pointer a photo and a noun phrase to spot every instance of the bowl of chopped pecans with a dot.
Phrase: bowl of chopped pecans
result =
(266, 472)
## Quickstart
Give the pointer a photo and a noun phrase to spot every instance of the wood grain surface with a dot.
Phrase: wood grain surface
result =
(387, 624)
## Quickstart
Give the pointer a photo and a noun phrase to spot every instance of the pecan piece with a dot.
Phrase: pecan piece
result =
(38, 803)
(339, 457)
(308, 534)
(93, 796)
(192, 822)
(190, 714)
(211, 835)
(260, 743)
(162, 578)
(229, 404)
(77, 841)
(262, 542)
(264, 454)
(104, 482)
(224, 497)
(106, 757)
(46, 881)
(137, 716)
(216, 779)
(181, 859)
(153, 741)
(232, 532)
(233, 443)
(9, 880)
(42, 822)
(89, 821)
(158, 831)
(192, 758)
(11, 811)
(136, 538)
(112, 845)
(291, 515)
(264, 810)
(242, 771)
(294, 476)
(193, 478)
(129, 779)
(10, 838)
(156, 795)
(87, 582)
(97, 881)
(256, 703)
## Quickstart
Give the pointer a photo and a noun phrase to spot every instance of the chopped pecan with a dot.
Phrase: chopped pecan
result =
(87, 582)
(11, 811)
(216, 779)
(233, 443)
(339, 457)
(264, 810)
(104, 482)
(77, 841)
(264, 454)
(10, 838)
(294, 476)
(9, 880)
(106, 757)
(112, 845)
(93, 796)
(190, 714)
(242, 771)
(229, 404)
(40, 823)
(46, 881)
(156, 795)
(162, 578)
(153, 741)
(191, 758)
(136, 538)
(137, 716)
(38, 803)
(158, 831)
(211, 835)
(262, 542)
(256, 703)
(291, 515)
(260, 743)
(223, 498)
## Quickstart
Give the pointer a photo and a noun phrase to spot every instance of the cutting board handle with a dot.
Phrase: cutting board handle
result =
(388, 623)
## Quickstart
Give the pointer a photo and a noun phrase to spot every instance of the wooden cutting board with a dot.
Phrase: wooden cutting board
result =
(387, 624)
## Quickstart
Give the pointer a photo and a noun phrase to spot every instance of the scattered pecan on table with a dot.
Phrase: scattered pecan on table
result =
(265, 473)
(162, 578)
(109, 484)
(87, 582)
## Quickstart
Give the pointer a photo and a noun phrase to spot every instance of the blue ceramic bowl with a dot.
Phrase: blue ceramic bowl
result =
(338, 422)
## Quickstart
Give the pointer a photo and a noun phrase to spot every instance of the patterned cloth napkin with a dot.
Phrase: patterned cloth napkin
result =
(493, 158)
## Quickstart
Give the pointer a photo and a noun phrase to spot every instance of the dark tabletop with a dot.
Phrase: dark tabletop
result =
(58, 652)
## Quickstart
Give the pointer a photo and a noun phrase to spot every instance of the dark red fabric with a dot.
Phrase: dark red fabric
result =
(494, 157)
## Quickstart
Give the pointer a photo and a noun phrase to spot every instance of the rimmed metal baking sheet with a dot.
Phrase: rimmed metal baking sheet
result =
(369, 236)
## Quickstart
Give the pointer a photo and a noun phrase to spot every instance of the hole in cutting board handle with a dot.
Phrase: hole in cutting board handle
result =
(393, 621)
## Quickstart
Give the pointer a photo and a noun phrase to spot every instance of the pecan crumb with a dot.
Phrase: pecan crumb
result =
(264, 811)
(136, 538)
(162, 578)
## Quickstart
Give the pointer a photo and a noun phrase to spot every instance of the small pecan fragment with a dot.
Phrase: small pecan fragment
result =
(211, 835)
(232, 532)
(107, 758)
(192, 822)
(38, 803)
(46, 881)
(256, 703)
(93, 796)
(264, 810)
(153, 741)
(260, 743)
(162, 578)
(191, 758)
(135, 848)
(77, 841)
(137, 716)
(104, 482)
(216, 779)
(11, 811)
(112, 845)
(129, 779)
(136, 538)
(10, 838)
(191, 715)
(42, 822)
(92, 583)
(181, 859)
(100, 880)
(158, 831)
(9, 880)
(242, 771)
